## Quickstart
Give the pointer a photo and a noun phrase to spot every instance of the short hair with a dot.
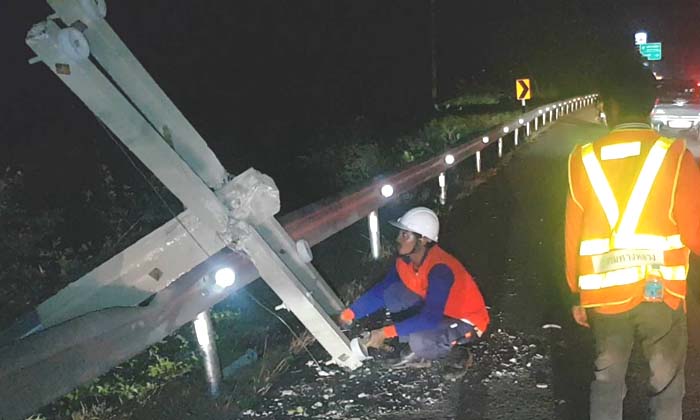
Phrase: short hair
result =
(629, 83)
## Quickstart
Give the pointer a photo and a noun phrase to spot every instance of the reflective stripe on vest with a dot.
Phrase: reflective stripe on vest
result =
(629, 275)
(603, 245)
(624, 258)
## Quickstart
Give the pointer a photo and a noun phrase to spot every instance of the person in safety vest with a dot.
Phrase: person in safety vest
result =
(632, 217)
(451, 307)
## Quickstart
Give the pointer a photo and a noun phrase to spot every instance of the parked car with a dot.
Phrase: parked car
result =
(677, 109)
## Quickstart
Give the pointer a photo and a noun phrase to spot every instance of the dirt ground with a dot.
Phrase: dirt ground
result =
(535, 363)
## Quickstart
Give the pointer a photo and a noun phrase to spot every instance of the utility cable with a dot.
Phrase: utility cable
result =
(306, 348)
(121, 147)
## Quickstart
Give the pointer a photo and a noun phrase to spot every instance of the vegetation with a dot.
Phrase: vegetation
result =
(34, 247)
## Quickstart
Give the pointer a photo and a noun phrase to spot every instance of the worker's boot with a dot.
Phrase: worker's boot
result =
(457, 362)
(407, 359)
(412, 361)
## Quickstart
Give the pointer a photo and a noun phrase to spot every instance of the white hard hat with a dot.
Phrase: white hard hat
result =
(420, 220)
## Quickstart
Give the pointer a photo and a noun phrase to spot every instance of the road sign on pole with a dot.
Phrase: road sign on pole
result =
(640, 38)
(522, 89)
(651, 50)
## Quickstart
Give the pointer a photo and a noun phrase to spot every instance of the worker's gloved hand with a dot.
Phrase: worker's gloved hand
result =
(346, 317)
(376, 339)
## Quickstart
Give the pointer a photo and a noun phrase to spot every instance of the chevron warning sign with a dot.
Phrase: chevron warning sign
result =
(522, 89)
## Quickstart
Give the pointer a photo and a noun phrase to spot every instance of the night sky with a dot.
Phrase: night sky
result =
(259, 78)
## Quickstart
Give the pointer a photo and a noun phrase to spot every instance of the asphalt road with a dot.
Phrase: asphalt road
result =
(510, 232)
(507, 227)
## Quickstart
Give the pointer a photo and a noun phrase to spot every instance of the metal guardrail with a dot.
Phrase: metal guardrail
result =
(37, 369)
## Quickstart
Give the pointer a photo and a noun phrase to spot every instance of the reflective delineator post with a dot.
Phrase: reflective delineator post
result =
(478, 161)
(500, 147)
(515, 136)
(443, 188)
(373, 222)
(204, 330)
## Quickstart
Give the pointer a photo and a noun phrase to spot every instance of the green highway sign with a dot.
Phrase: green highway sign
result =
(651, 50)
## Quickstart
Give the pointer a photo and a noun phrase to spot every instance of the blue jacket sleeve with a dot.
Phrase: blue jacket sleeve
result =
(373, 300)
(440, 280)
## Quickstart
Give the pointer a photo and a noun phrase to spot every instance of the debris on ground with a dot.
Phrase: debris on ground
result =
(507, 367)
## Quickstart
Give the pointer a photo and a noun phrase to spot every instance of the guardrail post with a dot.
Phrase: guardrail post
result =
(551, 111)
(556, 113)
(478, 161)
(443, 188)
(527, 129)
(537, 120)
(515, 136)
(374, 237)
(500, 147)
(204, 330)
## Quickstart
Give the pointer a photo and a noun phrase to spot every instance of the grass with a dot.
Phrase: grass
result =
(469, 99)
(343, 164)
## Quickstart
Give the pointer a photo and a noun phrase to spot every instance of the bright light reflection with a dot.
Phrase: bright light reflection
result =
(449, 159)
(201, 329)
(485, 139)
(225, 277)
(387, 190)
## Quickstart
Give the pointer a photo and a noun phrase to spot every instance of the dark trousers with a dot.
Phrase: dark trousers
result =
(664, 339)
(429, 344)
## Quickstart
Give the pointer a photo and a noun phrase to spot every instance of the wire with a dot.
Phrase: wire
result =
(306, 348)
(121, 148)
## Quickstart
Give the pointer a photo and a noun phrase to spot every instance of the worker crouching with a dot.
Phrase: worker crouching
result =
(451, 309)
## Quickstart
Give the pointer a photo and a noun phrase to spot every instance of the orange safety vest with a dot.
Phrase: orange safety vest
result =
(464, 302)
(623, 245)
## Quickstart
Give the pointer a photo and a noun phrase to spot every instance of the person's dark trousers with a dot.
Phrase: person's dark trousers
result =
(436, 343)
(664, 339)
(429, 344)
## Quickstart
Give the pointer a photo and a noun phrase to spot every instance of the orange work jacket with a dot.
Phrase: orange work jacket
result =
(623, 187)
(464, 302)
